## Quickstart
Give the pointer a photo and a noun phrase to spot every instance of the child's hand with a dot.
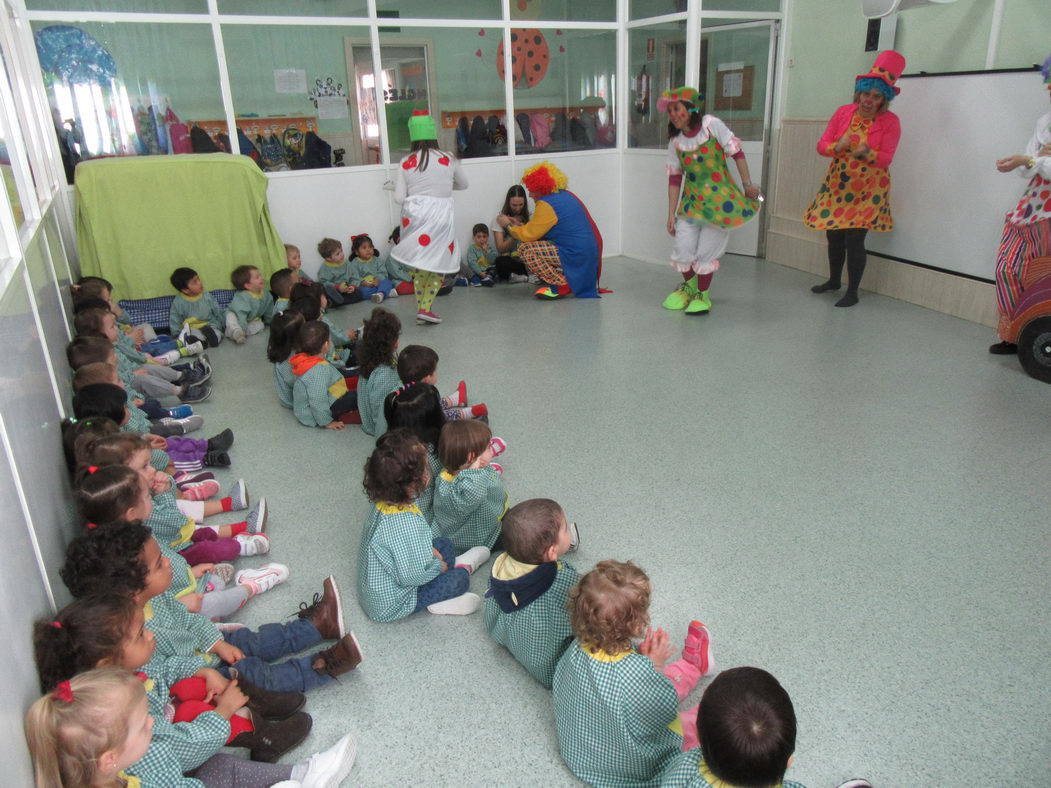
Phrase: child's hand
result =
(138, 403)
(230, 700)
(156, 441)
(192, 602)
(657, 647)
(227, 653)
(138, 336)
(335, 425)
(200, 570)
(214, 681)
(159, 484)
(861, 151)
(445, 566)
(140, 371)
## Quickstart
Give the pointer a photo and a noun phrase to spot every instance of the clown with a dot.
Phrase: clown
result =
(426, 180)
(561, 245)
(711, 204)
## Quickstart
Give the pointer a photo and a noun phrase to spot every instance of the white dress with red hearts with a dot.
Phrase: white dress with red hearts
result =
(428, 230)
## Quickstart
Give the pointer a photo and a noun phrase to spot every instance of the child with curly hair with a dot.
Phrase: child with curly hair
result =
(377, 354)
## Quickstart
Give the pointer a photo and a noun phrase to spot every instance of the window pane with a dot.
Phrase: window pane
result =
(129, 89)
(734, 73)
(292, 97)
(167, 7)
(656, 62)
(643, 8)
(452, 73)
(8, 177)
(566, 87)
(742, 5)
(299, 8)
(568, 10)
(447, 9)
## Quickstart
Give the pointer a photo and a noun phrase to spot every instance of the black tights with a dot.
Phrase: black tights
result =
(848, 245)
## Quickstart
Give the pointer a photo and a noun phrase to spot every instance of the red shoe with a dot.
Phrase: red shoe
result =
(698, 647)
(427, 317)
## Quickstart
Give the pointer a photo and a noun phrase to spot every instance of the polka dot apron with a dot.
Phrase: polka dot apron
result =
(1035, 204)
(855, 194)
(709, 194)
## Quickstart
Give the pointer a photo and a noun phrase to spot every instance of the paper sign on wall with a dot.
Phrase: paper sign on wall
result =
(290, 80)
(331, 107)
(733, 84)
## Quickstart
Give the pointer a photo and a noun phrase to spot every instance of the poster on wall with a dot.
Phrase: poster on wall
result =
(290, 80)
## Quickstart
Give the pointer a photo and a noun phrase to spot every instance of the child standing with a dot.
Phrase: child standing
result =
(469, 497)
(319, 393)
(368, 272)
(284, 331)
(194, 310)
(419, 364)
(401, 569)
(613, 701)
(251, 308)
(334, 274)
(481, 255)
(377, 357)
(525, 608)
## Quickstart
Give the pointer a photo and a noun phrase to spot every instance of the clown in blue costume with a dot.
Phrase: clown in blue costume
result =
(560, 244)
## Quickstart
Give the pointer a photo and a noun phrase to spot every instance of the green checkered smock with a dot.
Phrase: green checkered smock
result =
(334, 274)
(167, 521)
(283, 381)
(688, 770)
(359, 270)
(183, 581)
(126, 368)
(468, 507)
(538, 634)
(311, 398)
(183, 639)
(192, 743)
(137, 421)
(159, 768)
(125, 348)
(612, 714)
(248, 307)
(425, 500)
(371, 393)
(199, 312)
(395, 558)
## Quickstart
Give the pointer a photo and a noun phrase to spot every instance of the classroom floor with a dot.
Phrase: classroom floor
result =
(849, 498)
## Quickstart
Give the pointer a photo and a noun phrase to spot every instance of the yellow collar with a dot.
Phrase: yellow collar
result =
(397, 508)
(714, 781)
(603, 656)
(257, 296)
(507, 568)
(449, 477)
(147, 610)
(130, 781)
(192, 298)
(335, 265)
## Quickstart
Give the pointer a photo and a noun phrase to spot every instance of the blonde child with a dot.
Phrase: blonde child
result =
(469, 497)
(251, 308)
(525, 608)
(419, 364)
(334, 274)
(377, 357)
(401, 568)
(614, 701)
(368, 272)
(294, 261)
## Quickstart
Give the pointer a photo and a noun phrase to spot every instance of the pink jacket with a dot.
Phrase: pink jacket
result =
(884, 134)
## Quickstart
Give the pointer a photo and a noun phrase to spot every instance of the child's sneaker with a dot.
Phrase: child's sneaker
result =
(238, 336)
(856, 783)
(376, 298)
(473, 559)
(459, 397)
(217, 459)
(200, 491)
(697, 650)
(183, 478)
(461, 281)
(497, 467)
(262, 579)
(330, 767)
(257, 518)
(183, 337)
(487, 281)
(224, 572)
(183, 426)
(393, 293)
(341, 658)
(191, 377)
(221, 442)
(253, 544)
(476, 281)
(518, 279)
(462, 605)
(194, 394)
(427, 317)
(238, 496)
(180, 412)
(574, 537)
(168, 358)
(325, 611)
(191, 349)
(497, 446)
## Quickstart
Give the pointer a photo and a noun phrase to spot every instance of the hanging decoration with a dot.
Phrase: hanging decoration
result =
(530, 57)
(76, 57)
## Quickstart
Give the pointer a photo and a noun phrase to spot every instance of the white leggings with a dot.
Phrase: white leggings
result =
(232, 326)
(698, 247)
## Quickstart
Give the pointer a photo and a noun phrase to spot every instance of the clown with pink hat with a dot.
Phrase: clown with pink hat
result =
(861, 139)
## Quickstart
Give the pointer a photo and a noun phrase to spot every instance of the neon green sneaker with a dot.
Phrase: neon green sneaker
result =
(700, 305)
(678, 299)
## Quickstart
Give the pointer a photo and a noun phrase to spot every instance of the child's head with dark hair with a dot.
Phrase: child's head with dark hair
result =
(417, 363)
(379, 345)
(610, 606)
(95, 372)
(76, 432)
(281, 283)
(313, 337)
(747, 727)
(284, 331)
(397, 470)
(90, 303)
(92, 287)
(89, 350)
(241, 276)
(101, 399)
(119, 558)
(480, 235)
(327, 247)
(417, 408)
(111, 493)
(463, 443)
(181, 278)
(84, 634)
(308, 299)
(362, 247)
(122, 448)
(395, 235)
(535, 531)
(96, 323)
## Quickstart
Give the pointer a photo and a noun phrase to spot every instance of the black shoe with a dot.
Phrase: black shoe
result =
(194, 394)
(824, 287)
(271, 739)
(269, 704)
(1003, 349)
(221, 442)
(193, 376)
(217, 459)
(445, 290)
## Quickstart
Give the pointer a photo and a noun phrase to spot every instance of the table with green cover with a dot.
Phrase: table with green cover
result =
(139, 218)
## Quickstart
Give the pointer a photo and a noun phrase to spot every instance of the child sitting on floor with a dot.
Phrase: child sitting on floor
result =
(284, 331)
(419, 364)
(418, 409)
(613, 701)
(399, 273)
(368, 272)
(481, 255)
(469, 497)
(319, 393)
(747, 728)
(525, 607)
(194, 310)
(401, 568)
(377, 357)
(334, 274)
(105, 372)
(294, 261)
(311, 302)
(281, 284)
(251, 308)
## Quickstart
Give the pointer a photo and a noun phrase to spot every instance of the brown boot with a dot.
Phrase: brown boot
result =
(325, 612)
(270, 739)
(269, 704)
(341, 658)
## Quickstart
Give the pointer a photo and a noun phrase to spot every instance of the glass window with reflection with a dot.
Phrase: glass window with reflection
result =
(140, 6)
(296, 107)
(446, 9)
(656, 62)
(564, 10)
(299, 8)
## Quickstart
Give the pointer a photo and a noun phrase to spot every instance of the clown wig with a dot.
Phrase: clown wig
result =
(544, 178)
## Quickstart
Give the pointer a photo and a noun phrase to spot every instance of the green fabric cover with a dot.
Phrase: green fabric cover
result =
(139, 218)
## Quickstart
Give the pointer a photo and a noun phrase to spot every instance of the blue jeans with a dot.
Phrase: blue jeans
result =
(273, 641)
(153, 409)
(385, 286)
(446, 585)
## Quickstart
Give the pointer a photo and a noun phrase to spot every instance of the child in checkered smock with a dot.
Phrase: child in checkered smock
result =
(747, 728)
(319, 393)
(525, 607)
(615, 703)
(401, 569)
(469, 496)
(417, 407)
(377, 354)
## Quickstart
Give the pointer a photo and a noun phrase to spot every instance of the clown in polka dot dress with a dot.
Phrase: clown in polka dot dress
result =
(704, 202)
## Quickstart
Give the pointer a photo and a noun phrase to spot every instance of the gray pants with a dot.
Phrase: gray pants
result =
(227, 771)
(158, 381)
(222, 599)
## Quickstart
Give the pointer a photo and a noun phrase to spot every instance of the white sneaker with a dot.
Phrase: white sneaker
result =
(192, 349)
(473, 558)
(189, 424)
(184, 335)
(376, 298)
(574, 537)
(253, 544)
(462, 605)
(170, 357)
(329, 768)
(262, 579)
(393, 293)
(516, 279)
